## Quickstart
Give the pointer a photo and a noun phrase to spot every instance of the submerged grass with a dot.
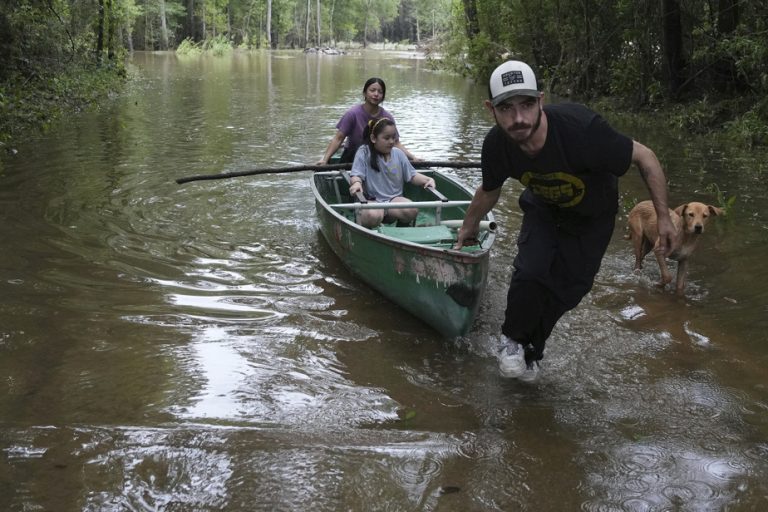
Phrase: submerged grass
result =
(32, 103)
(743, 120)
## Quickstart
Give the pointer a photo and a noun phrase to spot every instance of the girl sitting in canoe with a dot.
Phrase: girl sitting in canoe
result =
(354, 121)
(384, 169)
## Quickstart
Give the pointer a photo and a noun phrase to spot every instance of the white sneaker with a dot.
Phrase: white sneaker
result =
(531, 372)
(511, 359)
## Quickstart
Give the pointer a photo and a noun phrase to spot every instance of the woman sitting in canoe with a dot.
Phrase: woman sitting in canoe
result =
(384, 169)
(354, 121)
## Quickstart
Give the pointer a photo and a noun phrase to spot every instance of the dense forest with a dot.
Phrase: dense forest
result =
(706, 57)
(703, 58)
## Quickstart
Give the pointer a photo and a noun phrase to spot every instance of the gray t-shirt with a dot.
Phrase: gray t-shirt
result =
(387, 183)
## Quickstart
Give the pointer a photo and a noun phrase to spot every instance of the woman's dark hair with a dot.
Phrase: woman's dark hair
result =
(376, 80)
(375, 127)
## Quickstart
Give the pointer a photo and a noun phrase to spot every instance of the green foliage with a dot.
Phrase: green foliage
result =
(148, 33)
(407, 416)
(218, 46)
(630, 81)
(451, 49)
(736, 60)
(35, 105)
(696, 117)
(432, 16)
(483, 54)
(49, 64)
(751, 128)
(126, 12)
(705, 63)
(627, 202)
(580, 49)
(189, 48)
(724, 202)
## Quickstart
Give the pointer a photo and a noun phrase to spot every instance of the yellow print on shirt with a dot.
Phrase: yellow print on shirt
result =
(558, 188)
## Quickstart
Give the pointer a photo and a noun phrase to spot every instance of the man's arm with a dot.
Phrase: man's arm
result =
(656, 181)
(481, 204)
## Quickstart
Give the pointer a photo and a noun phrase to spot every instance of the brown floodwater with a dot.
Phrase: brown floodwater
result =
(199, 347)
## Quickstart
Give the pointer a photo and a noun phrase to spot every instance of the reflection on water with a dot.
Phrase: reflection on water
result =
(199, 347)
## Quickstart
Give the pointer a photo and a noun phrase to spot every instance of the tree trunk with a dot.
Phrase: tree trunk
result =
(365, 26)
(205, 26)
(472, 26)
(269, 24)
(646, 43)
(100, 33)
(586, 76)
(128, 38)
(725, 67)
(163, 27)
(318, 23)
(110, 32)
(727, 16)
(189, 29)
(672, 42)
(247, 23)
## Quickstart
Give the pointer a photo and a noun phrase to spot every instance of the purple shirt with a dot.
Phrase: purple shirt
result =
(354, 121)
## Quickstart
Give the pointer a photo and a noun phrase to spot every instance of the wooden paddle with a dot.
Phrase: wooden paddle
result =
(329, 167)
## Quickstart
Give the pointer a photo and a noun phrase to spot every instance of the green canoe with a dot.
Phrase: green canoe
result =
(415, 267)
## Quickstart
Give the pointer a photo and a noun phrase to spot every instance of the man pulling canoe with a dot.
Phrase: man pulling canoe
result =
(569, 159)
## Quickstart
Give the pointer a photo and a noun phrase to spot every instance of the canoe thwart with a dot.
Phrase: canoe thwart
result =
(400, 206)
(485, 225)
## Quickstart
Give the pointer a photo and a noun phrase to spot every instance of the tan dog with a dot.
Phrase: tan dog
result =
(689, 221)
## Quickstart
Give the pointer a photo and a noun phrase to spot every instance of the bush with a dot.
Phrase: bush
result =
(33, 104)
(751, 128)
(218, 46)
(189, 47)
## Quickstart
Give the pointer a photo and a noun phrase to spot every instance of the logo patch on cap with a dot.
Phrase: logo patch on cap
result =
(512, 77)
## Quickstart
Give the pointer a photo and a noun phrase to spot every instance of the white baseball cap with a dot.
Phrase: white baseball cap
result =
(513, 78)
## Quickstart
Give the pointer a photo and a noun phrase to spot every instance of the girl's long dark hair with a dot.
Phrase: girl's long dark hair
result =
(375, 127)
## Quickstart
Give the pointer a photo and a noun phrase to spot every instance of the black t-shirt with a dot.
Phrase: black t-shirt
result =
(576, 172)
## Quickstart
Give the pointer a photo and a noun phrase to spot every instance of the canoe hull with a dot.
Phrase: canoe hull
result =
(441, 286)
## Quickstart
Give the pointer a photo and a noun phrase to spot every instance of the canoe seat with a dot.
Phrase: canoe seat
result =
(419, 234)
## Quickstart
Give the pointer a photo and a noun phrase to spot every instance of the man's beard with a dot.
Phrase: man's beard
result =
(533, 129)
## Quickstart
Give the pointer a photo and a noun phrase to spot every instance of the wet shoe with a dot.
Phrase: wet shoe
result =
(511, 359)
(531, 372)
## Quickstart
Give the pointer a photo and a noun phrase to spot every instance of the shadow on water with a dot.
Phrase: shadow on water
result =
(201, 348)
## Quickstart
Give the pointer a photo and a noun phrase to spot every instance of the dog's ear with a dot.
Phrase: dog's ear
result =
(680, 210)
(714, 210)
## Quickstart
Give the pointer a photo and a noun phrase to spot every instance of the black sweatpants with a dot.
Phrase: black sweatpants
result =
(555, 267)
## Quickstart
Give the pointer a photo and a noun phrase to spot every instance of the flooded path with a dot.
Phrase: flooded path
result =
(199, 347)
